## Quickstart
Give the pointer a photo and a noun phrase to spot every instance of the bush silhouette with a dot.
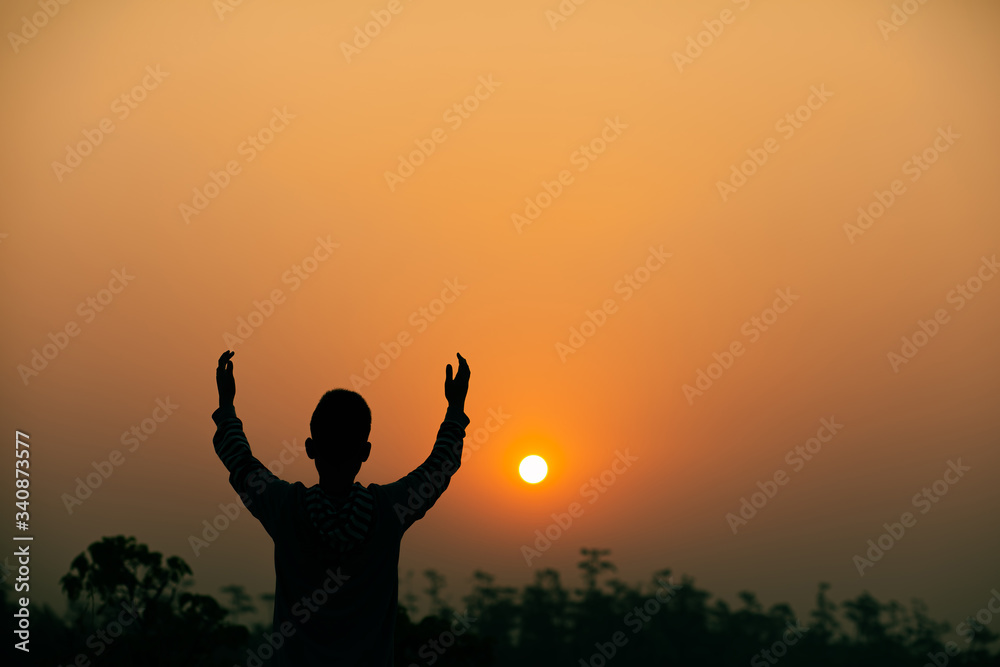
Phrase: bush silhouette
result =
(128, 606)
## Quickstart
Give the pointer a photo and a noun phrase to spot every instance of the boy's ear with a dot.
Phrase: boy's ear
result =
(366, 451)
(309, 449)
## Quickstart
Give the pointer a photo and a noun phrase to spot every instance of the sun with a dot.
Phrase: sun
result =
(533, 469)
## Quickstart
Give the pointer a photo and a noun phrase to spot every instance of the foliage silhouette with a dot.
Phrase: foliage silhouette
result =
(127, 606)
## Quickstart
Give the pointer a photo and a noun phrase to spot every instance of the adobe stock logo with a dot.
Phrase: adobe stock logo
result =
(753, 328)
(629, 284)
(454, 116)
(967, 630)
(381, 18)
(581, 158)
(295, 276)
(697, 43)
(88, 310)
(924, 501)
(963, 293)
(915, 167)
(637, 620)
(593, 489)
(223, 7)
(787, 125)
(122, 107)
(249, 149)
(796, 458)
(257, 481)
(421, 319)
(899, 17)
(29, 28)
(562, 12)
(103, 470)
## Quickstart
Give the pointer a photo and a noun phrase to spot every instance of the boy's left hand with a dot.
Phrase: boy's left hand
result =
(225, 380)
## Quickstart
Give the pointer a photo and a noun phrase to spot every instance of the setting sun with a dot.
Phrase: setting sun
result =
(533, 469)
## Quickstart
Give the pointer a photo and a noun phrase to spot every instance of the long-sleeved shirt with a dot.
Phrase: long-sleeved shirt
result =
(336, 561)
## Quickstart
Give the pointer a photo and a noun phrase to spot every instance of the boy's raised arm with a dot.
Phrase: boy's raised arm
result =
(414, 494)
(251, 479)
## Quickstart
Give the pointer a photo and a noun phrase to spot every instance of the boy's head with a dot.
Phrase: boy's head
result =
(340, 426)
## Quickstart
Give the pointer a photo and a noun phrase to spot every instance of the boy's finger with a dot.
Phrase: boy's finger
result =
(448, 373)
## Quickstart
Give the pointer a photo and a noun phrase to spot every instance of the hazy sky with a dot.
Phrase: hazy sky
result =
(593, 211)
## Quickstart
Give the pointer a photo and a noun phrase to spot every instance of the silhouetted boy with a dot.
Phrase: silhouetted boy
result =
(336, 544)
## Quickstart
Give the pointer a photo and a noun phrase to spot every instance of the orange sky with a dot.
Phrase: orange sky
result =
(622, 143)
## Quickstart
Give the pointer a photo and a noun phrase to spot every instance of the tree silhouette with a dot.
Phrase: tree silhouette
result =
(664, 621)
(126, 608)
(240, 602)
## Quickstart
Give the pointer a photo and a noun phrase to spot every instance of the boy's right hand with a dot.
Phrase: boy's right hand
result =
(455, 390)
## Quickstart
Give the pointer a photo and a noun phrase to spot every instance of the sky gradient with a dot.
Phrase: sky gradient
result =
(593, 208)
